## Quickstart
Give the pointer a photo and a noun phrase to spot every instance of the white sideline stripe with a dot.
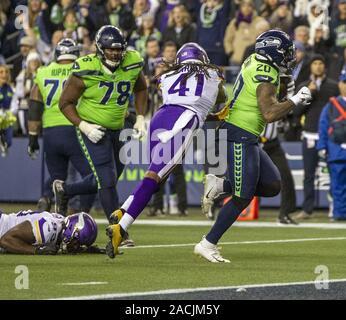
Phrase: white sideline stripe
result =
(197, 223)
(187, 290)
(236, 242)
(92, 283)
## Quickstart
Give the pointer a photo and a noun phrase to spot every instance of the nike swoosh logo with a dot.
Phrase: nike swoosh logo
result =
(207, 195)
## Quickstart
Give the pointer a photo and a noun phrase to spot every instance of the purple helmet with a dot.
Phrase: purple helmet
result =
(192, 52)
(81, 229)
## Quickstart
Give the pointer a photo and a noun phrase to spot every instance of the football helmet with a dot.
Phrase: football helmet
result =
(276, 47)
(66, 49)
(191, 52)
(110, 37)
(80, 230)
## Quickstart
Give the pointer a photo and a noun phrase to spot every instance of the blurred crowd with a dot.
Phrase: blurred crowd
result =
(29, 30)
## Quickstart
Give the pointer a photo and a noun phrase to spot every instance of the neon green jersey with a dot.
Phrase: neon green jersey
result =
(50, 80)
(106, 95)
(244, 110)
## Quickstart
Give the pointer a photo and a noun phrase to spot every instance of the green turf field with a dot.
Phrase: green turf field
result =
(149, 266)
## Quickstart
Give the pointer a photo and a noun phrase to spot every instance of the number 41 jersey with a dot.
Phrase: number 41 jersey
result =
(198, 93)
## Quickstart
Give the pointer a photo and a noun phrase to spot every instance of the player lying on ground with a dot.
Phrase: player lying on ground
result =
(190, 89)
(254, 103)
(45, 233)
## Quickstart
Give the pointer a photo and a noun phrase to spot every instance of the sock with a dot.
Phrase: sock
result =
(86, 186)
(227, 216)
(109, 200)
(141, 196)
(126, 221)
(207, 244)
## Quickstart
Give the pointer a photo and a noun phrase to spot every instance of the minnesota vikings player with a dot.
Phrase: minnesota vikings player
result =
(43, 233)
(190, 89)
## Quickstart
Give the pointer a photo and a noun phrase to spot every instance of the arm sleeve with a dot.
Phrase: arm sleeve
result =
(323, 128)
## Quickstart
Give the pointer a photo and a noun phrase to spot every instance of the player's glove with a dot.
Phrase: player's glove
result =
(33, 147)
(139, 128)
(303, 97)
(94, 132)
(47, 249)
(223, 113)
(290, 89)
(322, 154)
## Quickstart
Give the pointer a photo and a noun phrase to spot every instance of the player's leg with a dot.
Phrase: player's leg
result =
(338, 189)
(164, 156)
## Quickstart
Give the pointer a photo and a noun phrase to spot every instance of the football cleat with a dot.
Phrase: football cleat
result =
(213, 187)
(116, 216)
(116, 235)
(60, 197)
(211, 253)
(285, 220)
(44, 204)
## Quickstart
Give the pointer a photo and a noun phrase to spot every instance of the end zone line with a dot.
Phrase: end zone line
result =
(236, 242)
(187, 290)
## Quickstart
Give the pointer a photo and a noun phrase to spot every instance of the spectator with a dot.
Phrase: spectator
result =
(24, 83)
(179, 28)
(151, 59)
(212, 20)
(338, 27)
(268, 8)
(147, 30)
(27, 44)
(169, 51)
(332, 147)
(241, 32)
(6, 93)
(144, 7)
(301, 71)
(322, 88)
(282, 17)
(164, 13)
(302, 34)
(59, 9)
(120, 15)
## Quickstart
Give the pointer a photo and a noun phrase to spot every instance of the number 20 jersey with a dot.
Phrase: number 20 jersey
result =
(244, 110)
(197, 93)
(106, 95)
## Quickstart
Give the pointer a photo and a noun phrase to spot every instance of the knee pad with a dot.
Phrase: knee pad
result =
(240, 203)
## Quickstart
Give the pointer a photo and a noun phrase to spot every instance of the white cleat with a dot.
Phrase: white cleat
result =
(213, 187)
(210, 252)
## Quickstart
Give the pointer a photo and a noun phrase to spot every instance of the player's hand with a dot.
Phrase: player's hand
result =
(303, 97)
(33, 147)
(47, 249)
(322, 154)
(290, 89)
(94, 132)
(139, 128)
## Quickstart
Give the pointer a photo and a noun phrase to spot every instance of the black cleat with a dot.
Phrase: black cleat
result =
(61, 199)
(286, 220)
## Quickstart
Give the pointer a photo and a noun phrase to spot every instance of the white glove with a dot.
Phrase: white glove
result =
(303, 97)
(93, 131)
(290, 89)
(139, 128)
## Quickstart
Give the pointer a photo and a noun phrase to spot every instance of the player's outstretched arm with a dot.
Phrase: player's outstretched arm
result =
(19, 239)
(71, 93)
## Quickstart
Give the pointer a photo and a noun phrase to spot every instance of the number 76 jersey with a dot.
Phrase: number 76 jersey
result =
(198, 93)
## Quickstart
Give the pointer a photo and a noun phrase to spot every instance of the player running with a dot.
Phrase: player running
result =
(101, 85)
(60, 141)
(254, 103)
(44, 233)
(190, 89)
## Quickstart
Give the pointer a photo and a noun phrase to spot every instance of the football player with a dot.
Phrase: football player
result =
(60, 141)
(44, 233)
(102, 84)
(190, 87)
(254, 103)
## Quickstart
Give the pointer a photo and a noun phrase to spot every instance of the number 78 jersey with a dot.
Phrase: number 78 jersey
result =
(198, 93)
(106, 95)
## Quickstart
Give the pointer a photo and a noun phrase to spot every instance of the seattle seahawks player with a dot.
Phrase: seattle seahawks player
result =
(254, 103)
(60, 141)
(190, 89)
(43, 233)
(101, 84)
